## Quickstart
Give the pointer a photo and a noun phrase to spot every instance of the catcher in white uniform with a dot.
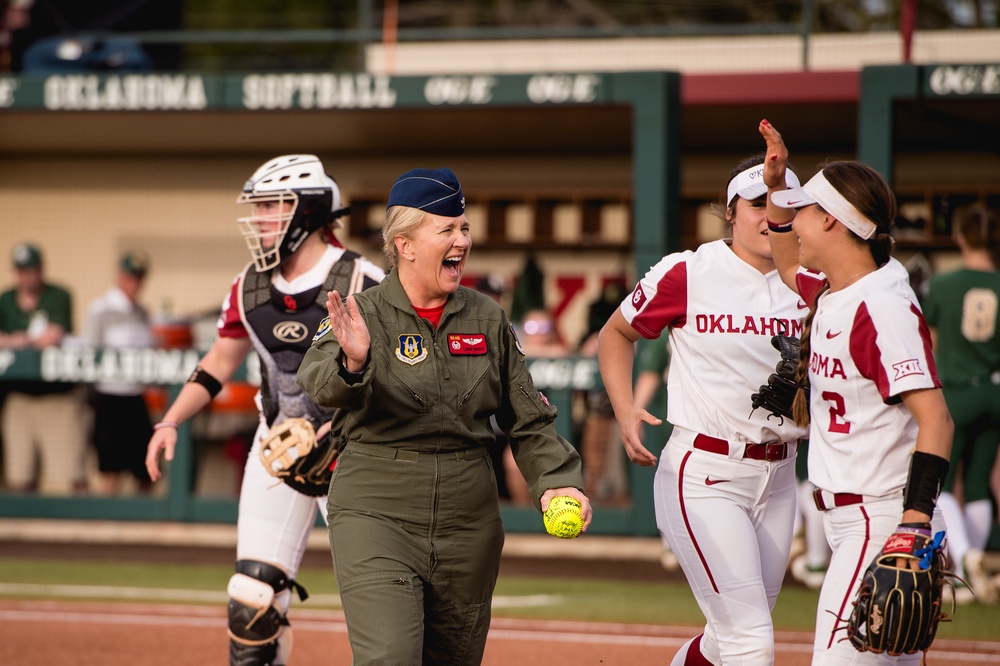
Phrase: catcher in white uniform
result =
(725, 485)
(275, 306)
(880, 432)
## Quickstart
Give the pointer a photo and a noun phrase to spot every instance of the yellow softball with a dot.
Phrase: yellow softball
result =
(562, 518)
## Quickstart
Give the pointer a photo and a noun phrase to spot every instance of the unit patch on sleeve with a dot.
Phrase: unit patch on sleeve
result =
(517, 343)
(467, 344)
(411, 349)
(324, 328)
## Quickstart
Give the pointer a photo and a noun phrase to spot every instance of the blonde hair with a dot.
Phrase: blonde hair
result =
(399, 221)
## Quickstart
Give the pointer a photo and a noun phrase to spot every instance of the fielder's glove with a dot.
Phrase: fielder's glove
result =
(290, 452)
(778, 394)
(897, 610)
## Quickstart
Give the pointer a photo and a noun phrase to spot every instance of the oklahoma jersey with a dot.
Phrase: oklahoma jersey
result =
(721, 313)
(861, 435)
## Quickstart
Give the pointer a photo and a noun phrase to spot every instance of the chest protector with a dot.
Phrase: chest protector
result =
(281, 327)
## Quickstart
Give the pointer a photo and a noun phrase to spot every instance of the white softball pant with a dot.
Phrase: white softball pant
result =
(856, 534)
(274, 521)
(729, 522)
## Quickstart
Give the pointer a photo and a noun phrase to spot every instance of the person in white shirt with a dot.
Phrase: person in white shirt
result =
(879, 429)
(116, 321)
(725, 485)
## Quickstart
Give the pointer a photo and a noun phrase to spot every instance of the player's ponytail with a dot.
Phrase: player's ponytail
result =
(870, 194)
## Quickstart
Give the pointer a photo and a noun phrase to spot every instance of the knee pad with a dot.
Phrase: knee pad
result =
(252, 655)
(255, 619)
(275, 653)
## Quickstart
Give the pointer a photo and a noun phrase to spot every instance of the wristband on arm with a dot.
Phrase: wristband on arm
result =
(778, 227)
(927, 474)
(203, 377)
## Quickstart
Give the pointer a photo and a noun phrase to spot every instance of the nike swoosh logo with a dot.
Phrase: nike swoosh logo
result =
(709, 481)
(801, 305)
(792, 203)
(830, 335)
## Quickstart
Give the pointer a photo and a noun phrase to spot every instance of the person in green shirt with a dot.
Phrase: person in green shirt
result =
(41, 420)
(420, 364)
(963, 309)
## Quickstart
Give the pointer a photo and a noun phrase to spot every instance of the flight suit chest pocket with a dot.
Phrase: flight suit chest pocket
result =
(408, 373)
(479, 379)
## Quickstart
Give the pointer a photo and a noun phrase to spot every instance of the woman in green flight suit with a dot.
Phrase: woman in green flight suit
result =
(420, 364)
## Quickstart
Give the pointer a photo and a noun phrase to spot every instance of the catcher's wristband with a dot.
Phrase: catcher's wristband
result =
(778, 227)
(166, 424)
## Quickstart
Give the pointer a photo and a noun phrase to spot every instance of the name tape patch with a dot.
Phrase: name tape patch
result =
(467, 344)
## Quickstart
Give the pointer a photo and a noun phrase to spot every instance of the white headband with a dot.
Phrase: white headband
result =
(819, 191)
(749, 184)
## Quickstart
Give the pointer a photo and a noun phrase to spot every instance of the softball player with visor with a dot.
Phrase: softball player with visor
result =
(725, 484)
(879, 430)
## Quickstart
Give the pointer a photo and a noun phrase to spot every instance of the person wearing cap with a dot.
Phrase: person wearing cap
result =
(273, 308)
(40, 419)
(880, 432)
(116, 321)
(724, 490)
(420, 363)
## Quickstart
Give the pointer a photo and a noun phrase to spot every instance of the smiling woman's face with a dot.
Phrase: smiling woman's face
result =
(433, 259)
(808, 226)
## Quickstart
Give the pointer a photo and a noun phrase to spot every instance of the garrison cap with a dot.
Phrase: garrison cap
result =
(436, 191)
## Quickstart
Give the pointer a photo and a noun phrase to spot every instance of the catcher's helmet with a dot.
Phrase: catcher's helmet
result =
(276, 230)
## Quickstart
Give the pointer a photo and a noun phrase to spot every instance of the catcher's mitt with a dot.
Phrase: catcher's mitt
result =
(778, 394)
(897, 610)
(290, 452)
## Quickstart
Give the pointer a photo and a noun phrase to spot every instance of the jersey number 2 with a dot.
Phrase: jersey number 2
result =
(837, 411)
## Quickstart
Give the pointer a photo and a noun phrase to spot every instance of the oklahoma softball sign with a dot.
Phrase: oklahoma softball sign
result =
(125, 93)
(88, 365)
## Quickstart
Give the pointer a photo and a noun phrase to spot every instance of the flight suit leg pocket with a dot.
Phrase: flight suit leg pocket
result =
(384, 613)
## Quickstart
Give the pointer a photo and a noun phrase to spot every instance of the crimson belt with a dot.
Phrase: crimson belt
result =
(839, 499)
(769, 452)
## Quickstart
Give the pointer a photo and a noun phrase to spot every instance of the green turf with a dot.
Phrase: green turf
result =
(649, 602)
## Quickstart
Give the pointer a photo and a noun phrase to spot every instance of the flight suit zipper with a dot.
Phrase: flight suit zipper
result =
(472, 389)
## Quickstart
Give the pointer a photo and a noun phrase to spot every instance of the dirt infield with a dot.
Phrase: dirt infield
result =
(85, 634)
(56, 633)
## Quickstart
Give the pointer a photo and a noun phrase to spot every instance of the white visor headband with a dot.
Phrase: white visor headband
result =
(749, 184)
(819, 191)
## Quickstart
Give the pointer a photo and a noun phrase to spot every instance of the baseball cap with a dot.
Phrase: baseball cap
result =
(135, 262)
(819, 191)
(435, 191)
(27, 255)
(491, 285)
(749, 183)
